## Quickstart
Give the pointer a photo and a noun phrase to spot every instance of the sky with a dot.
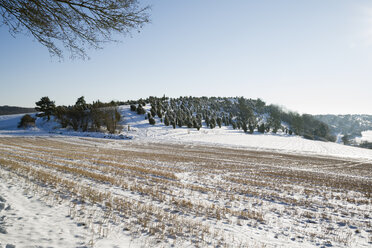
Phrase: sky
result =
(308, 56)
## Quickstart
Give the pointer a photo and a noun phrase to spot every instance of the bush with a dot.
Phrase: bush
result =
(152, 121)
(27, 121)
(261, 128)
(251, 128)
(153, 112)
(366, 144)
(141, 110)
(234, 125)
(244, 127)
(219, 122)
(133, 108)
(308, 136)
(166, 120)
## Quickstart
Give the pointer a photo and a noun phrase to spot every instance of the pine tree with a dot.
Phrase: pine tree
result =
(153, 112)
(251, 128)
(151, 120)
(219, 122)
(140, 110)
(133, 107)
(234, 125)
(244, 127)
(166, 120)
(261, 128)
(46, 106)
(179, 122)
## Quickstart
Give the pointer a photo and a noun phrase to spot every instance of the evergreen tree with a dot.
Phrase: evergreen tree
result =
(261, 128)
(140, 110)
(166, 120)
(219, 122)
(267, 128)
(159, 113)
(153, 112)
(212, 123)
(189, 124)
(244, 127)
(234, 125)
(46, 106)
(133, 107)
(151, 120)
(251, 128)
(179, 122)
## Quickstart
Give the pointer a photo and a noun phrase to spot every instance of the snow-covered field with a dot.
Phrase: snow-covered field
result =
(366, 137)
(139, 129)
(155, 186)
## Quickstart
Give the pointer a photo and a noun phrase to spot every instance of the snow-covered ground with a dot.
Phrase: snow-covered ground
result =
(140, 129)
(210, 187)
(366, 137)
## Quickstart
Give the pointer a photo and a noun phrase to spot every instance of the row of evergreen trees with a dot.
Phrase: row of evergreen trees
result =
(248, 115)
(82, 116)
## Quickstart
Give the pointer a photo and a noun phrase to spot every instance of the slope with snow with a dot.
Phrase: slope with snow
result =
(137, 127)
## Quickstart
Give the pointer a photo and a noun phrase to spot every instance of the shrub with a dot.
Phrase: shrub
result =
(261, 128)
(141, 110)
(308, 136)
(159, 113)
(133, 108)
(166, 120)
(152, 121)
(179, 121)
(251, 128)
(219, 122)
(153, 112)
(111, 119)
(26, 121)
(189, 124)
(366, 144)
(244, 127)
(234, 125)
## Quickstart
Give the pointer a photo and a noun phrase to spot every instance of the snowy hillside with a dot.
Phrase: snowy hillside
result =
(137, 127)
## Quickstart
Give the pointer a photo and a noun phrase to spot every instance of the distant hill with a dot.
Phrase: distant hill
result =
(249, 115)
(10, 110)
(351, 125)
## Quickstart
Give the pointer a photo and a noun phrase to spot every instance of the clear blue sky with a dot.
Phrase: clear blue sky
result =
(309, 56)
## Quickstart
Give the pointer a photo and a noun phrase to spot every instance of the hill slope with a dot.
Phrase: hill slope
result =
(136, 126)
(11, 110)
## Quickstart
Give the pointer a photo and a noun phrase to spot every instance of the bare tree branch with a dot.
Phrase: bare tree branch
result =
(72, 24)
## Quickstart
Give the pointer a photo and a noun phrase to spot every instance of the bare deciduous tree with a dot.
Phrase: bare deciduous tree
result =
(73, 24)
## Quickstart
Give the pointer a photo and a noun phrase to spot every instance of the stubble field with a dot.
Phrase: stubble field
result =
(163, 195)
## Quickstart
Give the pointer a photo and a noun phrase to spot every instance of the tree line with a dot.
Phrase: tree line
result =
(249, 115)
(81, 116)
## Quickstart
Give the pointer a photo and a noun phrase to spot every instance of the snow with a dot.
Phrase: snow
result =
(31, 215)
(140, 129)
(29, 220)
(366, 137)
